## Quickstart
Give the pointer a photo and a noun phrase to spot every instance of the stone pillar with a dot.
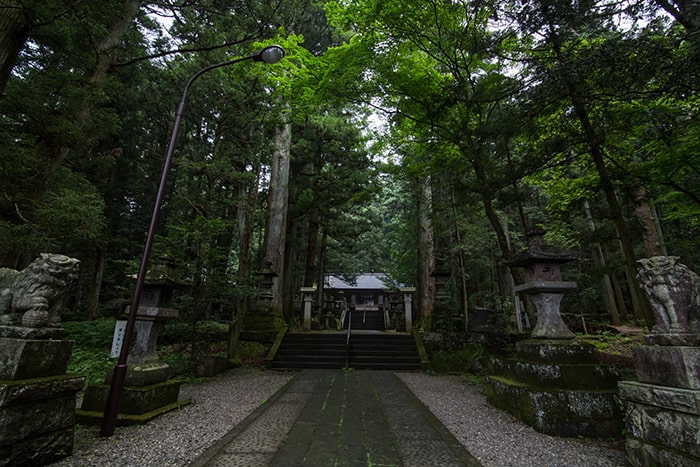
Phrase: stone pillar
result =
(37, 397)
(308, 302)
(407, 303)
(663, 407)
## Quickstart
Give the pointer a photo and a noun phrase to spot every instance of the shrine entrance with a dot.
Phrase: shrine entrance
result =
(366, 303)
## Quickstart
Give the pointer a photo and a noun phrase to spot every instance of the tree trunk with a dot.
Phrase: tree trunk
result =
(93, 296)
(606, 283)
(652, 242)
(425, 289)
(104, 51)
(641, 307)
(276, 232)
(245, 213)
(14, 32)
(464, 292)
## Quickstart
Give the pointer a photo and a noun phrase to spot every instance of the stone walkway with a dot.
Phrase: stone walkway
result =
(340, 418)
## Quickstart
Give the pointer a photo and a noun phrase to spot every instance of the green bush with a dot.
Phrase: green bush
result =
(91, 363)
(453, 361)
(93, 343)
(91, 334)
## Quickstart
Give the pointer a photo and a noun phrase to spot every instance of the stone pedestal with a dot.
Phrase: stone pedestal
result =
(558, 388)
(147, 390)
(663, 408)
(37, 400)
(663, 425)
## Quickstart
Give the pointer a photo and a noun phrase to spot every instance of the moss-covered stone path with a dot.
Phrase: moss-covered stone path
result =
(340, 418)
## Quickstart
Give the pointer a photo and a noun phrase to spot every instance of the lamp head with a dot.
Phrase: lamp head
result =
(270, 54)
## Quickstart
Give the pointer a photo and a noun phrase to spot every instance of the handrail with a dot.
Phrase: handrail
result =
(347, 341)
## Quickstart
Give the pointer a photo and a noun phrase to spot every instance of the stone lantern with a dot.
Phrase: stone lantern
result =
(544, 285)
(148, 392)
(554, 382)
(154, 311)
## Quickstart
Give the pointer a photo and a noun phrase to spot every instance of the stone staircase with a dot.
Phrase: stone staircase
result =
(365, 320)
(367, 350)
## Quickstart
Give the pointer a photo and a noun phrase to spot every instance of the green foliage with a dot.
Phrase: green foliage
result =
(91, 363)
(96, 334)
(453, 361)
(91, 352)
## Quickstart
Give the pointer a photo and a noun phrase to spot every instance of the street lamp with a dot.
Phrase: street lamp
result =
(270, 54)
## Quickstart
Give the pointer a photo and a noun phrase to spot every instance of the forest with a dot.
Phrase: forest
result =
(401, 136)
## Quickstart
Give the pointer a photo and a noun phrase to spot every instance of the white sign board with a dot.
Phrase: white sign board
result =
(118, 339)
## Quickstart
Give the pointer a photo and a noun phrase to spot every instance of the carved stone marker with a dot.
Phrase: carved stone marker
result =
(663, 408)
(37, 397)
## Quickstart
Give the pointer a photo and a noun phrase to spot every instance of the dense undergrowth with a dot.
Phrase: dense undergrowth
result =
(181, 345)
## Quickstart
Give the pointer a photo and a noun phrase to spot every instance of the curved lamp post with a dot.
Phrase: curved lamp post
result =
(270, 54)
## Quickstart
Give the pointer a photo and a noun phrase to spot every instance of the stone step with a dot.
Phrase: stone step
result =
(328, 350)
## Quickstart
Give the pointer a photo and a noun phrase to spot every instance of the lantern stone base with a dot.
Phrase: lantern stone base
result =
(138, 405)
(662, 424)
(558, 388)
(37, 419)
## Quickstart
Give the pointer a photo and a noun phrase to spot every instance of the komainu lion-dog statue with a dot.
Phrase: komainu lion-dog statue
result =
(674, 294)
(34, 296)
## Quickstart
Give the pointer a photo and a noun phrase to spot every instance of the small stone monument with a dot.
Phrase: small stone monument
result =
(663, 407)
(308, 293)
(407, 307)
(262, 322)
(147, 392)
(554, 383)
(37, 397)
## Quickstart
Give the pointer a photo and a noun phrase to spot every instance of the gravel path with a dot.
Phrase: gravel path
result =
(178, 437)
(497, 439)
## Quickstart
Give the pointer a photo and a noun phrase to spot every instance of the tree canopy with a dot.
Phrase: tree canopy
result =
(414, 136)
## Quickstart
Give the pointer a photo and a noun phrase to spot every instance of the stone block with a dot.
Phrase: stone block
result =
(32, 358)
(21, 391)
(662, 423)
(559, 351)
(557, 375)
(675, 366)
(682, 400)
(29, 419)
(592, 414)
(210, 366)
(146, 374)
(37, 419)
(40, 450)
(641, 454)
(134, 400)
